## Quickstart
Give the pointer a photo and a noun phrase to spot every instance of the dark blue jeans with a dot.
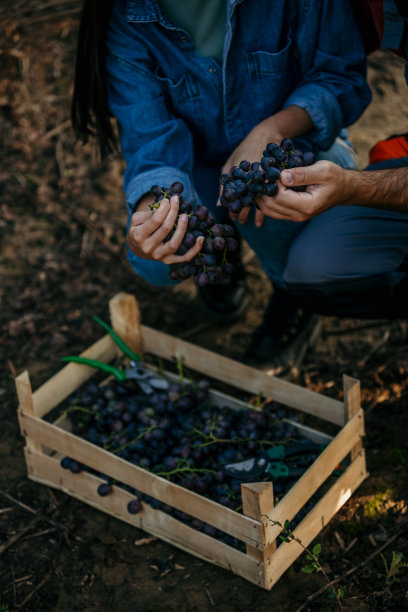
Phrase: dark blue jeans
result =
(352, 261)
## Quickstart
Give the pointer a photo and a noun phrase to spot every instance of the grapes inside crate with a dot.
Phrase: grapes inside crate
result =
(214, 472)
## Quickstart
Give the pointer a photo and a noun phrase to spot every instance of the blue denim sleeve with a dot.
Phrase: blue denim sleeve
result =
(333, 89)
(157, 147)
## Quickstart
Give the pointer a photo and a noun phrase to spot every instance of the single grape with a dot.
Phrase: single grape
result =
(202, 279)
(176, 187)
(104, 489)
(309, 158)
(218, 229)
(134, 506)
(219, 243)
(272, 174)
(189, 240)
(287, 144)
(271, 189)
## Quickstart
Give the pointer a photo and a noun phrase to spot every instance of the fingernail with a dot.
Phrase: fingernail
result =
(174, 199)
(183, 217)
(288, 177)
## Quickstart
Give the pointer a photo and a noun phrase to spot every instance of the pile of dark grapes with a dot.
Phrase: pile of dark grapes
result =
(216, 262)
(179, 436)
(244, 183)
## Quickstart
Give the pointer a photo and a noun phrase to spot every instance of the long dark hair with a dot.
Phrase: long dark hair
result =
(90, 111)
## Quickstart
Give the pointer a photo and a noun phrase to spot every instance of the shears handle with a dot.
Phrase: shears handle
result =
(118, 340)
(120, 375)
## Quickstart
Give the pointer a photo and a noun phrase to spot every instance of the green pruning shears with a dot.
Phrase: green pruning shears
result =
(282, 461)
(146, 379)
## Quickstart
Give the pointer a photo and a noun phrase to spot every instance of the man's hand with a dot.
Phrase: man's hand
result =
(287, 123)
(148, 230)
(327, 185)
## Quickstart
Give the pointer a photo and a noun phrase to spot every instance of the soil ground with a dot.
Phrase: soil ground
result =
(62, 258)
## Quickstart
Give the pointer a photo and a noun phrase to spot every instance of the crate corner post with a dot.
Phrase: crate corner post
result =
(352, 406)
(257, 503)
(125, 319)
(26, 406)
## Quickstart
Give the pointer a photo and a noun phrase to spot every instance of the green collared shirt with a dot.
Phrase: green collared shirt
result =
(203, 20)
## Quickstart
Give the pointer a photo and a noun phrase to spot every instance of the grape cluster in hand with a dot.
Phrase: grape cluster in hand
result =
(244, 183)
(215, 264)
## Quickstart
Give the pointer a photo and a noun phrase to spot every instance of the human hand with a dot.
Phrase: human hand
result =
(327, 185)
(249, 149)
(148, 230)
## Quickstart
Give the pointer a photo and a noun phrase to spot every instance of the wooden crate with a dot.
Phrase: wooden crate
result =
(264, 562)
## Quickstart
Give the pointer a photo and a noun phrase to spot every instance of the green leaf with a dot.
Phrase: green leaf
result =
(284, 538)
(287, 523)
(317, 549)
(308, 569)
(309, 557)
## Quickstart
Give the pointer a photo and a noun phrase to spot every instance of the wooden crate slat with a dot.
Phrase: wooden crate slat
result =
(223, 518)
(67, 380)
(316, 474)
(316, 519)
(83, 486)
(242, 376)
(26, 403)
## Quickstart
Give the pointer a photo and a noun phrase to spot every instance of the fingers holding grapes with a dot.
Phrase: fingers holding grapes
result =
(158, 234)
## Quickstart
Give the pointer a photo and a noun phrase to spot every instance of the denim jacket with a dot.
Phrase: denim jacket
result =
(173, 106)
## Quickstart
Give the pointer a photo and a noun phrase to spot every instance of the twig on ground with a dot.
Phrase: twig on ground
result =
(34, 591)
(374, 349)
(18, 502)
(19, 535)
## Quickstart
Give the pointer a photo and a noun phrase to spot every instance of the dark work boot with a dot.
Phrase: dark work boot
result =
(286, 333)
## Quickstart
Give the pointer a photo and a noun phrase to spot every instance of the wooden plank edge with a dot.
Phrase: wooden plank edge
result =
(242, 376)
(69, 378)
(83, 487)
(224, 519)
(315, 476)
(316, 519)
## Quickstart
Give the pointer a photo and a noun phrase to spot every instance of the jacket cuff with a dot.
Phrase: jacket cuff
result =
(324, 110)
(141, 184)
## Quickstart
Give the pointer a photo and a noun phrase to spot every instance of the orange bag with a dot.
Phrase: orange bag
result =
(391, 148)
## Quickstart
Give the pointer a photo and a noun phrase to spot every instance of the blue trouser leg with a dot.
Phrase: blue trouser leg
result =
(271, 242)
(352, 260)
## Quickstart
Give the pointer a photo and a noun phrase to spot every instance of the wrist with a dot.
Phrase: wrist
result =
(288, 123)
(142, 205)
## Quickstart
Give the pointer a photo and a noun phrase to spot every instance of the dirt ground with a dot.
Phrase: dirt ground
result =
(62, 220)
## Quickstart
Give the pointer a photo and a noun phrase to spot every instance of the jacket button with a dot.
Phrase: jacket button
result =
(183, 38)
(213, 69)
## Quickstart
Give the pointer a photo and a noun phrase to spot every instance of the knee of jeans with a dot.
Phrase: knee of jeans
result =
(308, 266)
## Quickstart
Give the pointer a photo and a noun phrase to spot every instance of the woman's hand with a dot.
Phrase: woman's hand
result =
(148, 229)
(287, 123)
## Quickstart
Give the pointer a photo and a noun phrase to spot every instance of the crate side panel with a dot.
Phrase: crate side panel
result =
(316, 519)
(67, 380)
(83, 487)
(242, 376)
(315, 476)
(104, 462)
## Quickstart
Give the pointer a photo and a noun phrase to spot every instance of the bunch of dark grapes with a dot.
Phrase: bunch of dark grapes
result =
(216, 262)
(179, 436)
(244, 183)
